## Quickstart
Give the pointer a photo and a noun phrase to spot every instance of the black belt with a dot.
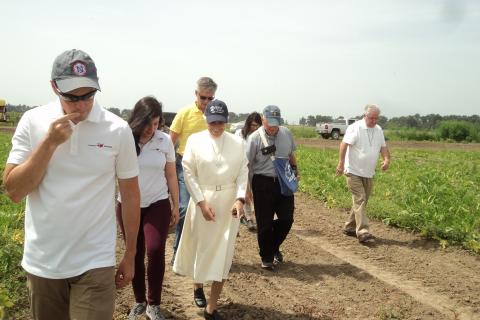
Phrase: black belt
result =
(274, 179)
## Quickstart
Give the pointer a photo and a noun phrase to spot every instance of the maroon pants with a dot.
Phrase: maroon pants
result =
(154, 224)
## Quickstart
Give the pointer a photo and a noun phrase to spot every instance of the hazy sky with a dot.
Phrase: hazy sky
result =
(307, 57)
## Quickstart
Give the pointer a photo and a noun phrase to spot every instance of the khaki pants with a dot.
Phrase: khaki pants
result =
(88, 296)
(361, 188)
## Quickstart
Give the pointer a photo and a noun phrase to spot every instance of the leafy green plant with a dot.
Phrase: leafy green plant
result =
(13, 290)
(303, 132)
(411, 134)
(458, 131)
(436, 193)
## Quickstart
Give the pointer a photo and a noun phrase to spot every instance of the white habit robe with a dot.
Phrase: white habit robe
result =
(215, 170)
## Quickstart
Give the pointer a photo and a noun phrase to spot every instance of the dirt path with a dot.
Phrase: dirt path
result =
(327, 275)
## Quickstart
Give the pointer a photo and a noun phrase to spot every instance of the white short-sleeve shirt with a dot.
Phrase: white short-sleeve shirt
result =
(364, 148)
(151, 161)
(70, 222)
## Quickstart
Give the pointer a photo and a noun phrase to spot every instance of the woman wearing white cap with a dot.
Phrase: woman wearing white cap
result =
(216, 174)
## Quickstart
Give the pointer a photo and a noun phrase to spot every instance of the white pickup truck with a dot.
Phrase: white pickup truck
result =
(334, 129)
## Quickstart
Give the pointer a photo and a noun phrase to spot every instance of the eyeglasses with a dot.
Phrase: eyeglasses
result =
(206, 98)
(73, 98)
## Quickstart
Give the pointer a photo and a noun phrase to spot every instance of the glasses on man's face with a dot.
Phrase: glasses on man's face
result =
(73, 98)
(206, 98)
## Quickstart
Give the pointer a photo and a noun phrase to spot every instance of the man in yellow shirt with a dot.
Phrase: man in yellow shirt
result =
(189, 120)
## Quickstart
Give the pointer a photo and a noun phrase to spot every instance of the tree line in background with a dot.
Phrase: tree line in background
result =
(427, 122)
(433, 127)
(124, 113)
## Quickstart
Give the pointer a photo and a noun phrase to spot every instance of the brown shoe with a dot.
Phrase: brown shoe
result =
(349, 232)
(212, 316)
(366, 238)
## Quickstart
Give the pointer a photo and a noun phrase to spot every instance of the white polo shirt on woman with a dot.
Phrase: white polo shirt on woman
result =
(70, 225)
(151, 161)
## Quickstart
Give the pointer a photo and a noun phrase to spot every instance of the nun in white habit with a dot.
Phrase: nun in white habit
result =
(216, 174)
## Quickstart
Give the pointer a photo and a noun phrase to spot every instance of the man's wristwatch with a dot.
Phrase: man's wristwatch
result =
(295, 170)
(242, 200)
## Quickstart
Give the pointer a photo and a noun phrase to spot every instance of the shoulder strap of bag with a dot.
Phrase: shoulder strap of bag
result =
(264, 140)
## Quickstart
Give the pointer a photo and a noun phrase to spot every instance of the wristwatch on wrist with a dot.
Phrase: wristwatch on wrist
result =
(295, 170)
(242, 200)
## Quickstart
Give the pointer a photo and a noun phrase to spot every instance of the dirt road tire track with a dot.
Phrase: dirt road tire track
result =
(327, 275)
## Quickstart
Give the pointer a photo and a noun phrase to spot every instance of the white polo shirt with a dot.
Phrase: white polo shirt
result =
(70, 223)
(364, 148)
(151, 161)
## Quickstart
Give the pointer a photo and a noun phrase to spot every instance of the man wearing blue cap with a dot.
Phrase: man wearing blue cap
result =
(263, 177)
(66, 157)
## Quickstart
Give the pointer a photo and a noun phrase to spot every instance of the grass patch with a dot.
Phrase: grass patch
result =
(303, 131)
(436, 193)
(13, 291)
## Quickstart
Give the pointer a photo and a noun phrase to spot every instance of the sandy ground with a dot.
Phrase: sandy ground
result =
(327, 275)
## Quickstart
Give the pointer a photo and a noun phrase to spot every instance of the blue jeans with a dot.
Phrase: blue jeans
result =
(184, 197)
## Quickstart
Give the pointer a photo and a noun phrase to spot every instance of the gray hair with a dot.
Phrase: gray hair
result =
(206, 83)
(372, 108)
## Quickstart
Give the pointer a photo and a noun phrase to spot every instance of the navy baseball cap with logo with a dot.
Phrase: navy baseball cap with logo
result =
(272, 114)
(216, 111)
(74, 69)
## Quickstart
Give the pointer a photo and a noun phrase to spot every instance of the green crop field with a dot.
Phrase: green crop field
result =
(303, 132)
(436, 193)
(12, 278)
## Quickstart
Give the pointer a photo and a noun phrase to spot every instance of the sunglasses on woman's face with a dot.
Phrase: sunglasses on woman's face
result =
(205, 98)
(73, 98)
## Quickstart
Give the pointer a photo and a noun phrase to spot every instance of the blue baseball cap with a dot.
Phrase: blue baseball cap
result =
(272, 114)
(216, 111)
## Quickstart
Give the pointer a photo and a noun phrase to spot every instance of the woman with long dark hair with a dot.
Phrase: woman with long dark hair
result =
(252, 123)
(158, 182)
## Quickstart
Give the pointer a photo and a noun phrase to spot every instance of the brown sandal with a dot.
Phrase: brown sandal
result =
(349, 232)
(366, 238)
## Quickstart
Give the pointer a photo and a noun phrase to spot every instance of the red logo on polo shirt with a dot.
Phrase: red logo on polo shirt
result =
(99, 145)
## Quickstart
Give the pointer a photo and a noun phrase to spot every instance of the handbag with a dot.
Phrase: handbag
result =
(286, 176)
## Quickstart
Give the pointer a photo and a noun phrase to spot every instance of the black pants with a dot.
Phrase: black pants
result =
(268, 200)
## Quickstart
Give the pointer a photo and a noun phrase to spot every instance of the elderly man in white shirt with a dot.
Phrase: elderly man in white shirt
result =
(359, 151)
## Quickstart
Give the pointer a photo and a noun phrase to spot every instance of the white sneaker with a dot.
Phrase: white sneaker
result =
(137, 311)
(153, 313)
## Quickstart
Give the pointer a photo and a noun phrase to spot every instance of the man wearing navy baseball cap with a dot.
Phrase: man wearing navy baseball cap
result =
(263, 178)
(66, 157)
